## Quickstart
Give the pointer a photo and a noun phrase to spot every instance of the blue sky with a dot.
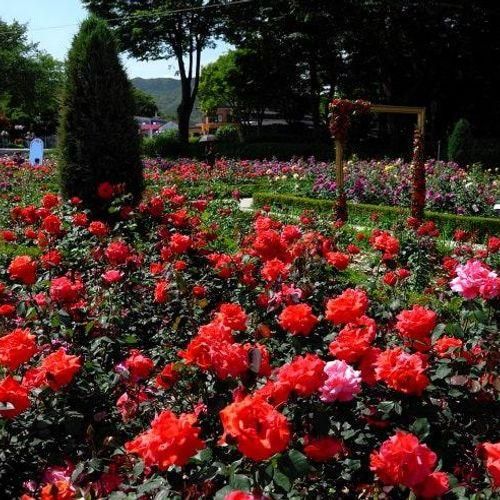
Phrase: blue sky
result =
(61, 16)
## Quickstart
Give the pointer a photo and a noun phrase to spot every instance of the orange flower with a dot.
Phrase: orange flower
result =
(16, 348)
(260, 430)
(60, 490)
(298, 319)
(347, 307)
(14, 397)
(23, 268)
(59, 368)
(171, 440)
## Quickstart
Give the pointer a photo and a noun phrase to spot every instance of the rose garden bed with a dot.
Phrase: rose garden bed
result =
(187, 350)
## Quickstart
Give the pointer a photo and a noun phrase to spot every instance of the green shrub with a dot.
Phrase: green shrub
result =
(164, 145)
(461, 143)
(98, 136)
(386, 216)
(228, 134)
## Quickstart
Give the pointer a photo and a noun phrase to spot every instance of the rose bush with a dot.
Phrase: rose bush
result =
(190, 351)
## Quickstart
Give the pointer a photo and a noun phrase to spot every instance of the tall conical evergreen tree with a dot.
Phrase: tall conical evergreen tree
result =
(98, 136)
(461, 143)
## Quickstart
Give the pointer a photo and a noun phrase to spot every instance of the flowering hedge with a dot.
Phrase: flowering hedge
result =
(449, 188)
(187, 352)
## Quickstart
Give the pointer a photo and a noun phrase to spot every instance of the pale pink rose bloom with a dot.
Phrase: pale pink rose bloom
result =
(342, 384)
(474, 279)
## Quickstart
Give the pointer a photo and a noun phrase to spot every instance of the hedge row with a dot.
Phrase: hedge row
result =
(248, 151)
(360, 213)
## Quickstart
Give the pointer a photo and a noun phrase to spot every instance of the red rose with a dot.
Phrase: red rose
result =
(138, 365)
(112, 276)
(80, 220)
(347, 307)
(242, 495)
(180, 243)
(98, 228)
(433, 486)
(260, 431)
(167, 377)
(171, 440)
(14, 396)
(23, 268)
(401, 371)
(50, 200)
(368, 365)
(105, 191)
(8, 236)
(403, 460)
(304, 375)
(447, 346)
(492, 455)
(385, 242)
(199, 291)
(390, 278)
(52, 224)
(65, 291)
(117, 252)
(51, 259)
(59, 368)
(7, 310)
(233, 316)
(16, 348)
(298, 319)
(59, 490)
(324, 448)
(161, 291)
(274, 269)
(417, 325)
(338, 260)
(354, 340)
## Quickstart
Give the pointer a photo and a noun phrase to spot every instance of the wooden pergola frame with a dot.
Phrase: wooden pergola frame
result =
(403, 110)
(340, 146)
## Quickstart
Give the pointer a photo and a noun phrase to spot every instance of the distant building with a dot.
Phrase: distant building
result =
(155, 125)
(224, 116)
(211, 122)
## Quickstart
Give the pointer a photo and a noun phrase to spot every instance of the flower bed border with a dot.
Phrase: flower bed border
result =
(445, 222)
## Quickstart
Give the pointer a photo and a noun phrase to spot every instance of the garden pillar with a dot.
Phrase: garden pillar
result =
(418, 174)
(341, 204)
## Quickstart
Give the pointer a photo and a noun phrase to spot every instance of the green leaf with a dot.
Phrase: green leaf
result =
(442, 372)
(240, 482)
(282, 481)
(386, 406)
(299, 462)
(420, 427)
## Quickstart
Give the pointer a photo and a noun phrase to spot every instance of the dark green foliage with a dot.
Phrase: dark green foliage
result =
(228, 133)
(99, 140)
(145, 104)
(461, 143)
(360, 213)
(165, 145)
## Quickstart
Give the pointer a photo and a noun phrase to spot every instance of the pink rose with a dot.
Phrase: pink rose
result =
(342, 384)
(475, 279)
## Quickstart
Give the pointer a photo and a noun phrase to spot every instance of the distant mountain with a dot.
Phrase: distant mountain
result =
(166, 93)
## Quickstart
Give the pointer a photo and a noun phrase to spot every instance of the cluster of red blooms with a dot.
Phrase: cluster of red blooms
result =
(171, 440)
(403, 460)
(252, 421)
(214, 347)
(341, 111)
(386, 243)
(56, 370)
